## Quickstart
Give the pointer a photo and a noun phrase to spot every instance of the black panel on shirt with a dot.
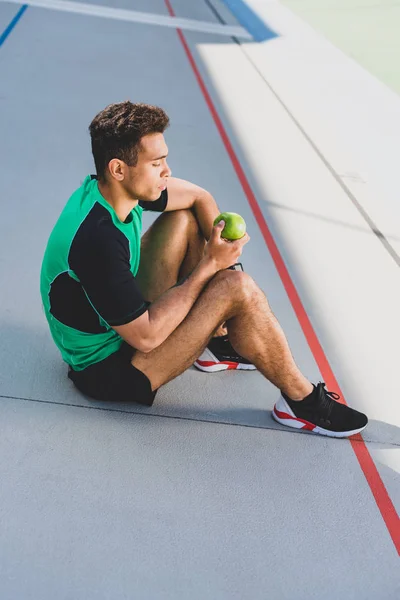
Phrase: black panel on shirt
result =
(99, 255)
(69, 304)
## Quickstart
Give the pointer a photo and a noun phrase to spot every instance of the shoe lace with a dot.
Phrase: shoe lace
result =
(326, 398)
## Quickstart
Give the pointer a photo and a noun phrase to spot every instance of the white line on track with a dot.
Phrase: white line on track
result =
(122, 14)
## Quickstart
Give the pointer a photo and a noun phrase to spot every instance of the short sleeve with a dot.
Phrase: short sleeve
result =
(101, 262)
(158, 205)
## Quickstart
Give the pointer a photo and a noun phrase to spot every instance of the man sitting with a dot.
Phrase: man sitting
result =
(129, 314)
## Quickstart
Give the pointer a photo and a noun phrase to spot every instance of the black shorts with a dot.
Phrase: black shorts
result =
(115, 379)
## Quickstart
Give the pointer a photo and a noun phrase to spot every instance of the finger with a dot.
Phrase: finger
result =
(220, 226)
(242, 241)
(217, 229)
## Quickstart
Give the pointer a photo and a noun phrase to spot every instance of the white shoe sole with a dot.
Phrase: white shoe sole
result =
(209, 363)
(285, 416)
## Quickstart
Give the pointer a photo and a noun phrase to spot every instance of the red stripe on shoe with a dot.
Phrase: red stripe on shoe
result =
(231, 366)
(307, 426)
(211, 363)
(377, 487)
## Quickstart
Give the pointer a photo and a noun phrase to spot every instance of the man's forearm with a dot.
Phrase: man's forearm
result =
(206, 211)
(171, 308)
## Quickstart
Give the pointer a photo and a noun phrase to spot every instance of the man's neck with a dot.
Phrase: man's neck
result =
(118, 199)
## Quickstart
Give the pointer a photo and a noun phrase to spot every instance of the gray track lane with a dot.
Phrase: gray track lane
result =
(7, 13)
(102, 505)
(133, 505)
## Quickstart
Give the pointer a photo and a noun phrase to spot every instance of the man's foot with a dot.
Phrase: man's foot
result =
(319, 413)
(220, 356)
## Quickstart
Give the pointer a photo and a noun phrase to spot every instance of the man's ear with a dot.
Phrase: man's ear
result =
(116, 169)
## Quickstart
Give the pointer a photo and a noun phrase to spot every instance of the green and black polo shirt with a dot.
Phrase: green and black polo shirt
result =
(88, 275)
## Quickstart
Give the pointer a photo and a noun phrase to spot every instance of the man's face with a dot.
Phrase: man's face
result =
(149, 177)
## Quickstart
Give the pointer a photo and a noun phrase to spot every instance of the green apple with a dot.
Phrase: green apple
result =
(235, 225)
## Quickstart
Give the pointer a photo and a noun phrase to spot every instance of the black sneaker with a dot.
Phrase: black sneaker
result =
(221, 356)
(319, 413)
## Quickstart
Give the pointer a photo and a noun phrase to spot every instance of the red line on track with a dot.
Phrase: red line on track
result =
(364, 458)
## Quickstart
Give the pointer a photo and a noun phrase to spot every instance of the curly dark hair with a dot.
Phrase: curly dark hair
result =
(117, 130)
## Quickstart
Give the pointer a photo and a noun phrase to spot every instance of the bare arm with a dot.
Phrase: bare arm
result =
(167, 312)
(183, 194)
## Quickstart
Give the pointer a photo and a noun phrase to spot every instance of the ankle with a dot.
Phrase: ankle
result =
(298, 393)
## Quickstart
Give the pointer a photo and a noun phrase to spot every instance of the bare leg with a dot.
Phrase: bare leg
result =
(254, 332)
(170, 249)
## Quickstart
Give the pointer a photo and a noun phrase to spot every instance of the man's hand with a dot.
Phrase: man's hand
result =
(223, 253)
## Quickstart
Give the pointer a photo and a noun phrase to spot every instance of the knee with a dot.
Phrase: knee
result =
(237, 285)
(185, 220)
